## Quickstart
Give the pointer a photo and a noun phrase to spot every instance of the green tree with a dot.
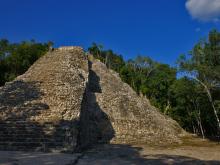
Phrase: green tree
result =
(16, 58)
(158, 85)
(188, 105)
(203, 66)
(96, 50)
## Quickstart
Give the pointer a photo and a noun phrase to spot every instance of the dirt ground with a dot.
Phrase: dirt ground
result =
(141, 155)
(36, 158)
(193, 151)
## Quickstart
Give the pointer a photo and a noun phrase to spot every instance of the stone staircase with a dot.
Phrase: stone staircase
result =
(19, 134)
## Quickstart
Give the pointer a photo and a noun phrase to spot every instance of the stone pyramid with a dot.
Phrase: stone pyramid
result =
(68, 101)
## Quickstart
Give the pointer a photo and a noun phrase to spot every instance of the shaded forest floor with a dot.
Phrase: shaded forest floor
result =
(192, 151)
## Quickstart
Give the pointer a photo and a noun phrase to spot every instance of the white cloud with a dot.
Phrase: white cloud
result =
(204, 10)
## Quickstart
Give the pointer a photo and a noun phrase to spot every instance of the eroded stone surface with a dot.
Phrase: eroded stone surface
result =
(40, 109)
(115, 113)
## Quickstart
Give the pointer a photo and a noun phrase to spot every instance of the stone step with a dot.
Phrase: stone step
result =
(14, 139)
(24, 118)
(27, 125)
(27, 122)
(22, 127)
(31, 131)
(30, 136)
(16, 146)
(31, 144)
(32, 126)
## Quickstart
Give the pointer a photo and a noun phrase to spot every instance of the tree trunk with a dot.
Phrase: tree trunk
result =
(198, 118)
(212, 103)
(166, 111)
(200, 125)
(194, 130)
(106, 60)
(191, 119)
(214, 109)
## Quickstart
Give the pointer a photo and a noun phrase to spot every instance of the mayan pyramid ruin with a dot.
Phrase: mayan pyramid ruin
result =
(68, 100)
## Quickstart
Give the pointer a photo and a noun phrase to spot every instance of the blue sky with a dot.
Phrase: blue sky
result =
(160, 29)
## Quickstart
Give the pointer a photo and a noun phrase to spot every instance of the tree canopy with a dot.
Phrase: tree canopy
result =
(16, 58)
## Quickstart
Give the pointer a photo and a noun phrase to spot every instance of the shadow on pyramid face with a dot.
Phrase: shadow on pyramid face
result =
(95, 125)
(93, 83)
(20, 103)
(93, 80)
(16, 100)
(17, 106)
